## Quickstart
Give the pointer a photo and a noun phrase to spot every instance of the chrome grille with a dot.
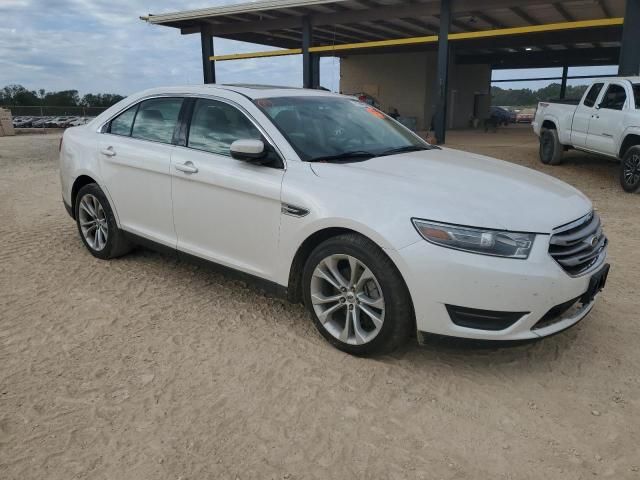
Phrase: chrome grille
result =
(579, 246)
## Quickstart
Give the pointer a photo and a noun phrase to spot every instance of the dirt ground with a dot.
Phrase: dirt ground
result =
(149, 368)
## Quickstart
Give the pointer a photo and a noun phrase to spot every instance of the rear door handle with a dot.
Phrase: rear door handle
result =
(187, 167)
(109, 152)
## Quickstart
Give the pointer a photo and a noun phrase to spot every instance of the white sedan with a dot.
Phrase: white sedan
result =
(333, 203)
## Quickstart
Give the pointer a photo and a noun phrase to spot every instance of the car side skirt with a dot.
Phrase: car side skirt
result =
(267, 286)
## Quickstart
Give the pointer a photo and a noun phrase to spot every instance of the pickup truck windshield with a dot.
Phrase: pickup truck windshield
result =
(636, 94)
(327, 128)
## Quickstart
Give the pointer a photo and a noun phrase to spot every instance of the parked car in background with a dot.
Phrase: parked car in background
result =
(286, 184)
(526, 115)
(605, 121)
(41, 122)
(22, 122)
(368, 99)
(500, 115)
(60, 122)
(79, 121)
(512, 113)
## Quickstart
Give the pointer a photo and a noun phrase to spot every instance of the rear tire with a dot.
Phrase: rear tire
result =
(97, 224)
(550, 147)
(349, 278)
(630, 170)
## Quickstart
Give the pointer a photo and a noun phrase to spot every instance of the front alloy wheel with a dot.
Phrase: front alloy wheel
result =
(357, 298)
(347, 299)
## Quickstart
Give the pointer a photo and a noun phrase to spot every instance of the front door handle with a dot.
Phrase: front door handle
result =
(109, 152)
(187, 167)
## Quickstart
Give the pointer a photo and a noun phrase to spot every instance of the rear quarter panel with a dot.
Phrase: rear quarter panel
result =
(560, 115)
(78, 156)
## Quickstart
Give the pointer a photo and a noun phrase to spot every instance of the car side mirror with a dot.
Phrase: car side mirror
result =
(598, 106)
(248, 150)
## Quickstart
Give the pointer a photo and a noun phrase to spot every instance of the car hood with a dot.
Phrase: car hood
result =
(458, 187)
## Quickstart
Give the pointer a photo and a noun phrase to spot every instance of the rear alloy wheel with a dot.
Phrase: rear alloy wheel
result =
(630, 170)
(97, 224)
(93, 222)
(550, 147)
(357, 298)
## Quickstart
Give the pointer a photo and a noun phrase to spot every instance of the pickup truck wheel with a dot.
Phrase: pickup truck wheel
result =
(550, 148)
(356, 296)
(630, 170)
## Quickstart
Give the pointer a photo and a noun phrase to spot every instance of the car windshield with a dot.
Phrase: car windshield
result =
(325, 128)
(636, 93)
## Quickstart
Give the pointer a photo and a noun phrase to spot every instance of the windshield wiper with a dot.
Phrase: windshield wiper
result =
(359, 154)
(408, 148)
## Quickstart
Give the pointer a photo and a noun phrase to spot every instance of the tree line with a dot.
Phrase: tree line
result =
(527, 97)
(19, 96)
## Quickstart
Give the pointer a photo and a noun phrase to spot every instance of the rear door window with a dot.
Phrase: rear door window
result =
(156, 119)
(614, 98)
(592, 96)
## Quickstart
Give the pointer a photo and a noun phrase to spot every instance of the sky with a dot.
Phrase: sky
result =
(98, 46)
(102, 46)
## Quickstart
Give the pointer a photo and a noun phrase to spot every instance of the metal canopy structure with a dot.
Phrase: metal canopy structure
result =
(500, 33)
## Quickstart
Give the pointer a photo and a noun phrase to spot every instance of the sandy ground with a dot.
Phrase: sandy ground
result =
(148, 368)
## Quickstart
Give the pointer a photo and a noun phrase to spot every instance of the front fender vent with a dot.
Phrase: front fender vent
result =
(293, 210)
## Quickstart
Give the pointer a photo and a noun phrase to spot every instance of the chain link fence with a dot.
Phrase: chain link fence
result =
(51, 117)
(37, 111)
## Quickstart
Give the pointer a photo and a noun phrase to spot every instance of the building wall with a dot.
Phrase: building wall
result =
(466, 82)
(406, 81)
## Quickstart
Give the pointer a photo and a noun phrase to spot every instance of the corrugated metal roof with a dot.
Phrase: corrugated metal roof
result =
(240, 8)
(342, 22)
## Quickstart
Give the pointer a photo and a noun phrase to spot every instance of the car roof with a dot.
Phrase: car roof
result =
(248, 90)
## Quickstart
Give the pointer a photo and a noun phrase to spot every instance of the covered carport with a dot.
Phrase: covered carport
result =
(499, 33)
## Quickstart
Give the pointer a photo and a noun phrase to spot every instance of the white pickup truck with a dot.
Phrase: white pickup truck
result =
(606, 121)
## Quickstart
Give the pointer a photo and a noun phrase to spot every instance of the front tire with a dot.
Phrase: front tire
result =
(550, 147)
(630, 170)
(356, 296)
(97, 224)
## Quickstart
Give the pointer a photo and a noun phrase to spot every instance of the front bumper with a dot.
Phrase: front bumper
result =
(438, 277)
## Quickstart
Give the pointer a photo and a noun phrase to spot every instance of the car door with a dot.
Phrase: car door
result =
(135, 154)
(226, 210)
(582, 116)
(607, 121)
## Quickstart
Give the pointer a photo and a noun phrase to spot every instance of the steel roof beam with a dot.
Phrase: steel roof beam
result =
(461, 7)
(563, 12)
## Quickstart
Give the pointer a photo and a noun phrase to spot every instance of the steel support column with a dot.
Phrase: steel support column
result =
(208, 66)
(307, 60)
(315, 65)
(629, 64)
(563, 85)
(440, 113)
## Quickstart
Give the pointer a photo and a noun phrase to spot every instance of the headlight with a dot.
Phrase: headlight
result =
(476, 240)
